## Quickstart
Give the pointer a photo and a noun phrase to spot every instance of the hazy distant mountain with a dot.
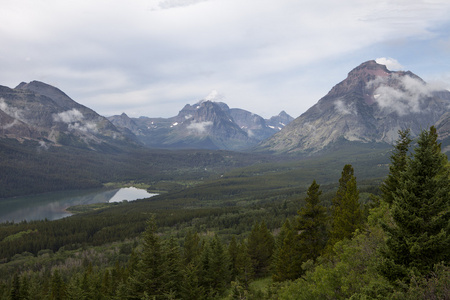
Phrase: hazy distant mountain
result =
(205, 125)
(39, 111)
(370, 105)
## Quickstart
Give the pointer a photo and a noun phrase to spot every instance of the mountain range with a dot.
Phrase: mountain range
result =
(204, 125)
(369, 106)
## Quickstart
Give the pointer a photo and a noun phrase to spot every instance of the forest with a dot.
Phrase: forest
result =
(257, 232)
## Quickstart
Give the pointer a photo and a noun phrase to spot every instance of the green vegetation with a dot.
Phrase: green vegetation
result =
(262, 231)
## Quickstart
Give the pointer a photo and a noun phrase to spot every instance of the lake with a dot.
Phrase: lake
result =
(53, 205)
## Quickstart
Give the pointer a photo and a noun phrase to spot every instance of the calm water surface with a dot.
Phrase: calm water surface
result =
(53, 205)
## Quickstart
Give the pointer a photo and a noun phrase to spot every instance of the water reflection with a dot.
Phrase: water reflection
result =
(130, 194)
(53, 205)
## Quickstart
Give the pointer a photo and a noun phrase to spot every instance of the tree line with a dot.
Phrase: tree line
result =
(397, 249)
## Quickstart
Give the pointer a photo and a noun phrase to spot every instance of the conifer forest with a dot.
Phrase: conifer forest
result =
(250, 234)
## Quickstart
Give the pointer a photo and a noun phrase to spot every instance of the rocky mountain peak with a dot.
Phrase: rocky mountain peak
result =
(370, 105)
(359, 77)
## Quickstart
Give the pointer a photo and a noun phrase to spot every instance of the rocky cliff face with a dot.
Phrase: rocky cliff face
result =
(370, 105)
(42, 112)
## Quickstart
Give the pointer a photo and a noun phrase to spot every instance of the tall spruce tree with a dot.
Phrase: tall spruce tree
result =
(399, 160)
(286, 258)
(419, 237)
(149, 278)
(312, 225)
(347, 215)
(261, 245)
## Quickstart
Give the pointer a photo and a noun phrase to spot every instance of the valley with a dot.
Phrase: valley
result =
(233, 192)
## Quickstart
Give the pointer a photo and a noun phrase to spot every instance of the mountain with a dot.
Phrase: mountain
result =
(41, 112)
(369, 106)
(204, 125)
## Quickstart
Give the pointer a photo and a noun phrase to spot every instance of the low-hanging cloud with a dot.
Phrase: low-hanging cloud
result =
(75, 120)
(390, 63)
(344, 109)
(199, 127)
(68, 116)
(16, 113)
(404, 97)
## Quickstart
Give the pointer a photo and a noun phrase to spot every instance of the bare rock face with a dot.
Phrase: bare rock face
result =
(39, 111)
(370, 105)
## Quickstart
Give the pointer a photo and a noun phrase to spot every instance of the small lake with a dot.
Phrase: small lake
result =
(53, 205)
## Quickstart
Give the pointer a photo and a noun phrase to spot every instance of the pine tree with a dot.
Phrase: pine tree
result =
(149, 276)
(286, 262)
(312, 225)
(192, 248)
(233, 252)
(173, 274)
(244, 265)
(215, 267)
(261, 245)
(419, 237)
(14, 293)
(191, 288)
(347, 214)
(399, 159)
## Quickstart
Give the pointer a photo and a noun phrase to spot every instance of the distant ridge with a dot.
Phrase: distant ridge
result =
(204, 125)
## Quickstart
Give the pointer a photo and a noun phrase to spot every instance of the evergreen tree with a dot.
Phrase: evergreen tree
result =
(14, 293)
(286, 261)
(419, 237)
(191, 288)
(261, 245)
(347, 214)
(398, 165)
(312, 225)
(149, 276)
(233, 252)
(192, 247)
(57, 287)
(244, 265)
(173, 274)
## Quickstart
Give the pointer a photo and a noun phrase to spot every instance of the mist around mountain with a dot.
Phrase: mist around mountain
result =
(369, 106)
(40, 112)
(204, 125)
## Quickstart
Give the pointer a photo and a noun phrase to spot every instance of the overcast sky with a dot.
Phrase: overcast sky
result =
(151, 57)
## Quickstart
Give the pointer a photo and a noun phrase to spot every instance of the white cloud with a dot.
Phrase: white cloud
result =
(404, 96)
(69, 116)
(75, 120)
(166, 4)
(85, 127)
(10, 125)
(12, 111)
(199, 127)
(264, 55)
(390, 63)
(344, 109)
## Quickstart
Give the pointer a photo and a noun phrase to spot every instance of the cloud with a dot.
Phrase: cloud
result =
(390, 63)
(199, 128)
(166, 4)
(75, 120)
(85, 127)
(344, 109)
(12, 124)
(264, 55)
(400, 94)
(16, 113)
(214, 95)
(68, 116)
